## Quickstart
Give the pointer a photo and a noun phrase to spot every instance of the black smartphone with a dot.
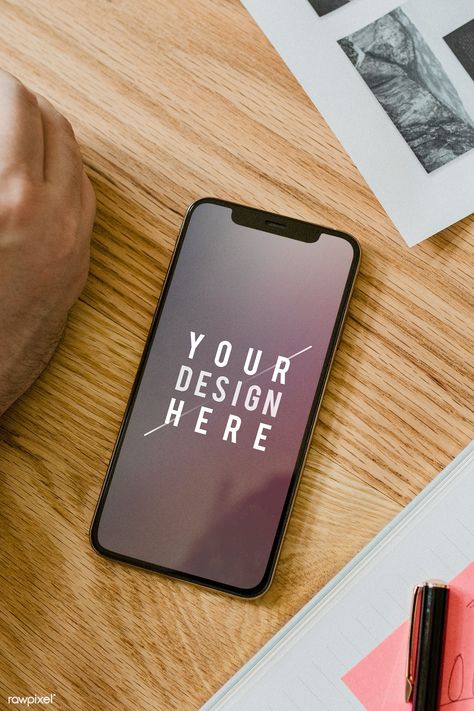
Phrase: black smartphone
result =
(214, 438)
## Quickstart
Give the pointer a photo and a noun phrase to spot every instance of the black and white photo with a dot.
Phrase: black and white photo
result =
(392, 79)
(412, 86)
(323, 7)
(461, 43)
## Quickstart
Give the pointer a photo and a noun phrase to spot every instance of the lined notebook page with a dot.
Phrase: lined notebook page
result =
(301, 668)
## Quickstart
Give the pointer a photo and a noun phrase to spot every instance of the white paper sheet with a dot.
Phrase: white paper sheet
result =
(301, 667)
(420, 203)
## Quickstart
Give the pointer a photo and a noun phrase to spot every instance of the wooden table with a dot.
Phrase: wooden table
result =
(173, 101)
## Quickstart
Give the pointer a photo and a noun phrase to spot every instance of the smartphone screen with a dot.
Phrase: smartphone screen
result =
(209, 454)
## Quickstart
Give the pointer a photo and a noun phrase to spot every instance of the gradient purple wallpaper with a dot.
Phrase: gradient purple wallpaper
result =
(205, 463)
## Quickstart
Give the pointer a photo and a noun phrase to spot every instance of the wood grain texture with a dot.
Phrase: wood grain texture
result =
(172, 101)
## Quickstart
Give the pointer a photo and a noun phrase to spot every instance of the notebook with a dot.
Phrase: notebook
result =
(345, 649)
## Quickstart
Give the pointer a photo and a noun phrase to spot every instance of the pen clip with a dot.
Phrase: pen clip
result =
(410, 668)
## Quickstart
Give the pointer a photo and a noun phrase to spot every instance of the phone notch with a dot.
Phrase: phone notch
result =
(276, 224)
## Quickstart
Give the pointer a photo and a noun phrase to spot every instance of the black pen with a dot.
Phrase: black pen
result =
(425, 646)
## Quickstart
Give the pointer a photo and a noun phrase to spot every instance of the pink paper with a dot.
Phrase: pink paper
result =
(378, 681)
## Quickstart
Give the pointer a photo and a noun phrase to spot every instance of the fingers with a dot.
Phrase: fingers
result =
(63, 166)
(64, 172)
(21, 130)
(38, 143)
(83, 235)
(62, 158)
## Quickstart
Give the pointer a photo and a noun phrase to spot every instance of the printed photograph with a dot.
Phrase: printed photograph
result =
(461, 43)
(412, 86)
(323, 7)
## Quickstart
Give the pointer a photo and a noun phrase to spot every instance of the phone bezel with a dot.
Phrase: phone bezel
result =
(308, 232)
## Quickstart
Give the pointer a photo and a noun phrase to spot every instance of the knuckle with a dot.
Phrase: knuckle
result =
(59, 244)
(66, 126)
(18, 90)
(67, 233)
(71, 150)
(17, 200)
(78, 268)
(9, 82)
(28, 96)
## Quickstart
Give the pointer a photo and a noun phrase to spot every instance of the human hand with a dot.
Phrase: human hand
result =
(47, 209)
